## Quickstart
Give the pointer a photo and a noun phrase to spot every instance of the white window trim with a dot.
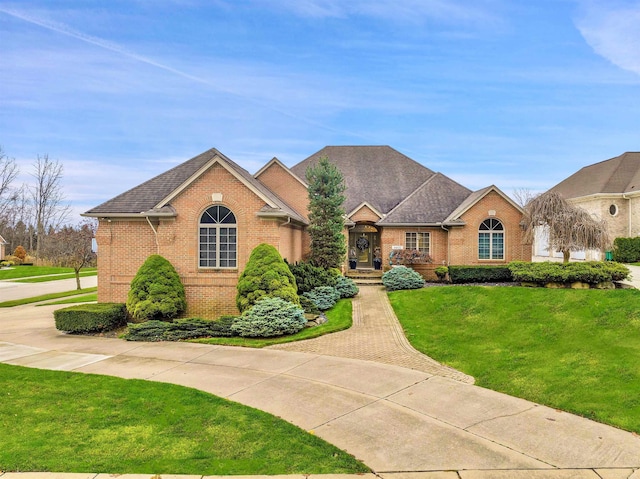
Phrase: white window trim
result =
(217, 227)
(491, 232)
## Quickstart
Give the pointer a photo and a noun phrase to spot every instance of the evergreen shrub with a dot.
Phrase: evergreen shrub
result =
(309, 276)
(91, 317)
(402, 277)
(265, 275)
(324, 297)
(270, 317)
(626, 250)
(591, 272)
(309, 306)
(181, 329)
(346, 287)
(479, 274)
(156, 292)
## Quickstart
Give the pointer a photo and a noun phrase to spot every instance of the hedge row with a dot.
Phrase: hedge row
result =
(592, 272)
(626, 250)
(479, 274)
(91, 317)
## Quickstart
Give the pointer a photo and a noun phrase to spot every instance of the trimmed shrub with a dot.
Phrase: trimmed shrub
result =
(270, 317)
(156, 292)
(266, 275)
(591, 272)
(181, 329)
(324, 297)
(309, 276)
(441, 272)
(346, 287)
(91, 317)
(402, 277)
(479, 274)
(626, 250)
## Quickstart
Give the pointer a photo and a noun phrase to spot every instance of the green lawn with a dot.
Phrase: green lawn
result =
(72, 422)
(575, 350)
(47, 297)
(84, 298)
(17, 272)
(339, 318)
(57, 277)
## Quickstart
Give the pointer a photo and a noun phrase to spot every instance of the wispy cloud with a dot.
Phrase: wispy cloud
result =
(612, 29)
(412, 11)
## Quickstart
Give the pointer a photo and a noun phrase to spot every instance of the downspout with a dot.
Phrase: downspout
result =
(155, 233)
(448, 244)
(625, 197)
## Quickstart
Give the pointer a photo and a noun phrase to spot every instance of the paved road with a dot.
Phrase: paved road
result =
(401, 422)
(10, 290)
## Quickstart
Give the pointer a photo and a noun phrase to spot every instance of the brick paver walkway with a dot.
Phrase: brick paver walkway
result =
(376, 335)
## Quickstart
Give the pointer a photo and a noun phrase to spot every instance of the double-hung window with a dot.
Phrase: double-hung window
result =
(218, 243)
(491, 239)
(418, 241)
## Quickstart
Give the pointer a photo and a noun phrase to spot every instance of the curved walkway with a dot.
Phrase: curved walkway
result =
(376, 335)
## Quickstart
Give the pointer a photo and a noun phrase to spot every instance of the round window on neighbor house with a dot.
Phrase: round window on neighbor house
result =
(613, 210)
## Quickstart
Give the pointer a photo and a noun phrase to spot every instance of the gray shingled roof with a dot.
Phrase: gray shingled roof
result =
(378, 175)
(146, 197)
(616, 175)
(431, 203)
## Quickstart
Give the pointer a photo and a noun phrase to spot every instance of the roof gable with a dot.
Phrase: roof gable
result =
(277, 163)
(153, 197)
(377, 175)
(474, 198)
(431, 203)
(616, 175)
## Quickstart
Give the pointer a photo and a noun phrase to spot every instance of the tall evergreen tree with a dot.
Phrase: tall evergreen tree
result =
(326, 214)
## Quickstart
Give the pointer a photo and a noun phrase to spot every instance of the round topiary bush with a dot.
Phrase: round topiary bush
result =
(346, 287)
(324, 297)
(402, 277)
(156, 291)
(270, 317)
(266, 274)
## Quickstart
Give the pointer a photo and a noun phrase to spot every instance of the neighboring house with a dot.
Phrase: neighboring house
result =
(609, 190)
(3, 248)
(207, 214)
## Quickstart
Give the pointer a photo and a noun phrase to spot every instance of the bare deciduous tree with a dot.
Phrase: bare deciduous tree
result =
(570, 228)
(71, 247)
(523, 196)
(8, 173)
(47, 197)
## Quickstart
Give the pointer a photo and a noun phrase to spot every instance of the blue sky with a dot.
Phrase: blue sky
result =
(515, 93)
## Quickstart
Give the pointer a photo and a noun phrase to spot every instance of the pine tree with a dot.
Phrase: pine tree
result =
(326, 214)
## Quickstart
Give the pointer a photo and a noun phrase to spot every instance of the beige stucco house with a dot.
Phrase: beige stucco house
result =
(609, 190)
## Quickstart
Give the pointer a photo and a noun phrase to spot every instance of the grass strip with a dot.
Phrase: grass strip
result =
(83, 423)
(16, 272)
(338, 318)
(86, 298)
(574, 350)
(47, 297)
(43, 279)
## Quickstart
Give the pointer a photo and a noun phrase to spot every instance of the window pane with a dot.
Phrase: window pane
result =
(410, 240)
(423, 242)
(497, 244)
(483, 246)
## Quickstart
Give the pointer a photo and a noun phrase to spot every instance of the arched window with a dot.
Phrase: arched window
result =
(218, 238)
(491, 239)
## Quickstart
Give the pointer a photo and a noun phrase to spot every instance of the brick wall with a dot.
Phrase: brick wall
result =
(125, 244)
(365, 214)
(287, 187)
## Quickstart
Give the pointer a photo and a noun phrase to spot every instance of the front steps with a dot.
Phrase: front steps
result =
(365, 277)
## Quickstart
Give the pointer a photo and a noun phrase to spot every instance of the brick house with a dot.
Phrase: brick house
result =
(610, 191)
(207, 214)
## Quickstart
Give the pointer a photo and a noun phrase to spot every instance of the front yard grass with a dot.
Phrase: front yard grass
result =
(72, 422)
(339, 318)
(574, 350)
(17, 272)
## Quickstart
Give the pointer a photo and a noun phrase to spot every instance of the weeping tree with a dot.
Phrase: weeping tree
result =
(570, 228)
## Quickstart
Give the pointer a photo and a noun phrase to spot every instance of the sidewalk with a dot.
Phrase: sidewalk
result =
(403, 423)
(10, 290)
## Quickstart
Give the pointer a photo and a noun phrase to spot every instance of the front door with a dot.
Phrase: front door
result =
(364, 248)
